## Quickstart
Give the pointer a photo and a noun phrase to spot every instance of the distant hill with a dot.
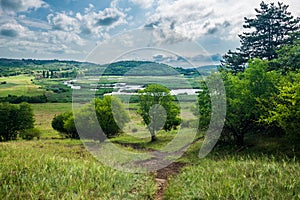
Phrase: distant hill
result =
(6, 62)
(129, 68)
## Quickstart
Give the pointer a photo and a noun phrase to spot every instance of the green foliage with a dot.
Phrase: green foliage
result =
(285, 107)
(288, 58)
(19, 99)
(271, 28)
(244, 93)
(158, 109)
(64, 124)
(64, 169)
(204, 104)
(14, 119)
(247, 96)
(29, 134)
(109, 113)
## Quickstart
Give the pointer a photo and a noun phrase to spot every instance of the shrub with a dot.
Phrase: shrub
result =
(29, 134)
(64, 124)
(14, 119)
(110, 120)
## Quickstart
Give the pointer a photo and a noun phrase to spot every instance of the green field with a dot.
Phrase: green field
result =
(237, 177)
(63, 169)
(44, 114)
(19, 85)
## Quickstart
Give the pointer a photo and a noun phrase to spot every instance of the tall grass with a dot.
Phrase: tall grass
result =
(64, 170)
(238, 177)
(44, 113)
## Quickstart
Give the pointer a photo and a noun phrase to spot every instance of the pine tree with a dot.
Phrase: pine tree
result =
(272, 27)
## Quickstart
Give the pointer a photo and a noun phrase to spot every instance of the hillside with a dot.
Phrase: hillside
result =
(11, 67)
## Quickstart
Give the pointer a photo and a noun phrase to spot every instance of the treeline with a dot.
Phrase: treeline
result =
(29, 99)
(67, 69)
(5, 62)
(141, 68)
(262, 78)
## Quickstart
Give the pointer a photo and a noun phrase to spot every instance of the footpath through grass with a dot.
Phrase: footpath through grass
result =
(261, 171)
(63, 169)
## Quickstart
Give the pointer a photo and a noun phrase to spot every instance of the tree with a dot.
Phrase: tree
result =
(14, 119)
(271, 28)
(245, 93)
(110, 115)
(285, 106)
(158, 110)
(288, 57)
(247, 97)
(64, 124)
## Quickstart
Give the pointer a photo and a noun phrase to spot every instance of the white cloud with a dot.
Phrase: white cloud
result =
(93, 23)
(12, 29)
(12, 6)
(193, 19)
(65, 33)
(143, 3)
(63, 22)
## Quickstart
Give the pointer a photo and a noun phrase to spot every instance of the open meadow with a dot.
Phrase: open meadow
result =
(19, 85)
(57, 168)
(44, 113)
(64, 169)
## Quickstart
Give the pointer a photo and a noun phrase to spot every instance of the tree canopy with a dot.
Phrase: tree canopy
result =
(272, 28)
(158, 109)
(14, 119)
(110, 114)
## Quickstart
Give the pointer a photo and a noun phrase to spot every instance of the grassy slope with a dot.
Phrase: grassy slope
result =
(19, 85)
(44, 114)
(63, 169)
(253, 173)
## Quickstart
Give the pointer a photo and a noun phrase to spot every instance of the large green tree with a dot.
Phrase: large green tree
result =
(247, 96)
(285, 106)
(288, 57)
(158, 109)
(14, 119)
(107, 113)
(271, 28)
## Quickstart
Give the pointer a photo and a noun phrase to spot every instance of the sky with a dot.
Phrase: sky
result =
(102, 30)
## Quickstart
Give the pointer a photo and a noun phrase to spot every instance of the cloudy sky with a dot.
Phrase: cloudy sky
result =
(73, 29)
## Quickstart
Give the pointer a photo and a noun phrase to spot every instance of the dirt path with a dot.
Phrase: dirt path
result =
(162, 175)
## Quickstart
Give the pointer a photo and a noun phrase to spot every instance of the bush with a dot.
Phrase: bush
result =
(14, 119)
(29, 134)
(64, 124)
(110, 120)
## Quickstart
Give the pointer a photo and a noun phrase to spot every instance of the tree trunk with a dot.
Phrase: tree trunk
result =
(240, 140)
(153, 138)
